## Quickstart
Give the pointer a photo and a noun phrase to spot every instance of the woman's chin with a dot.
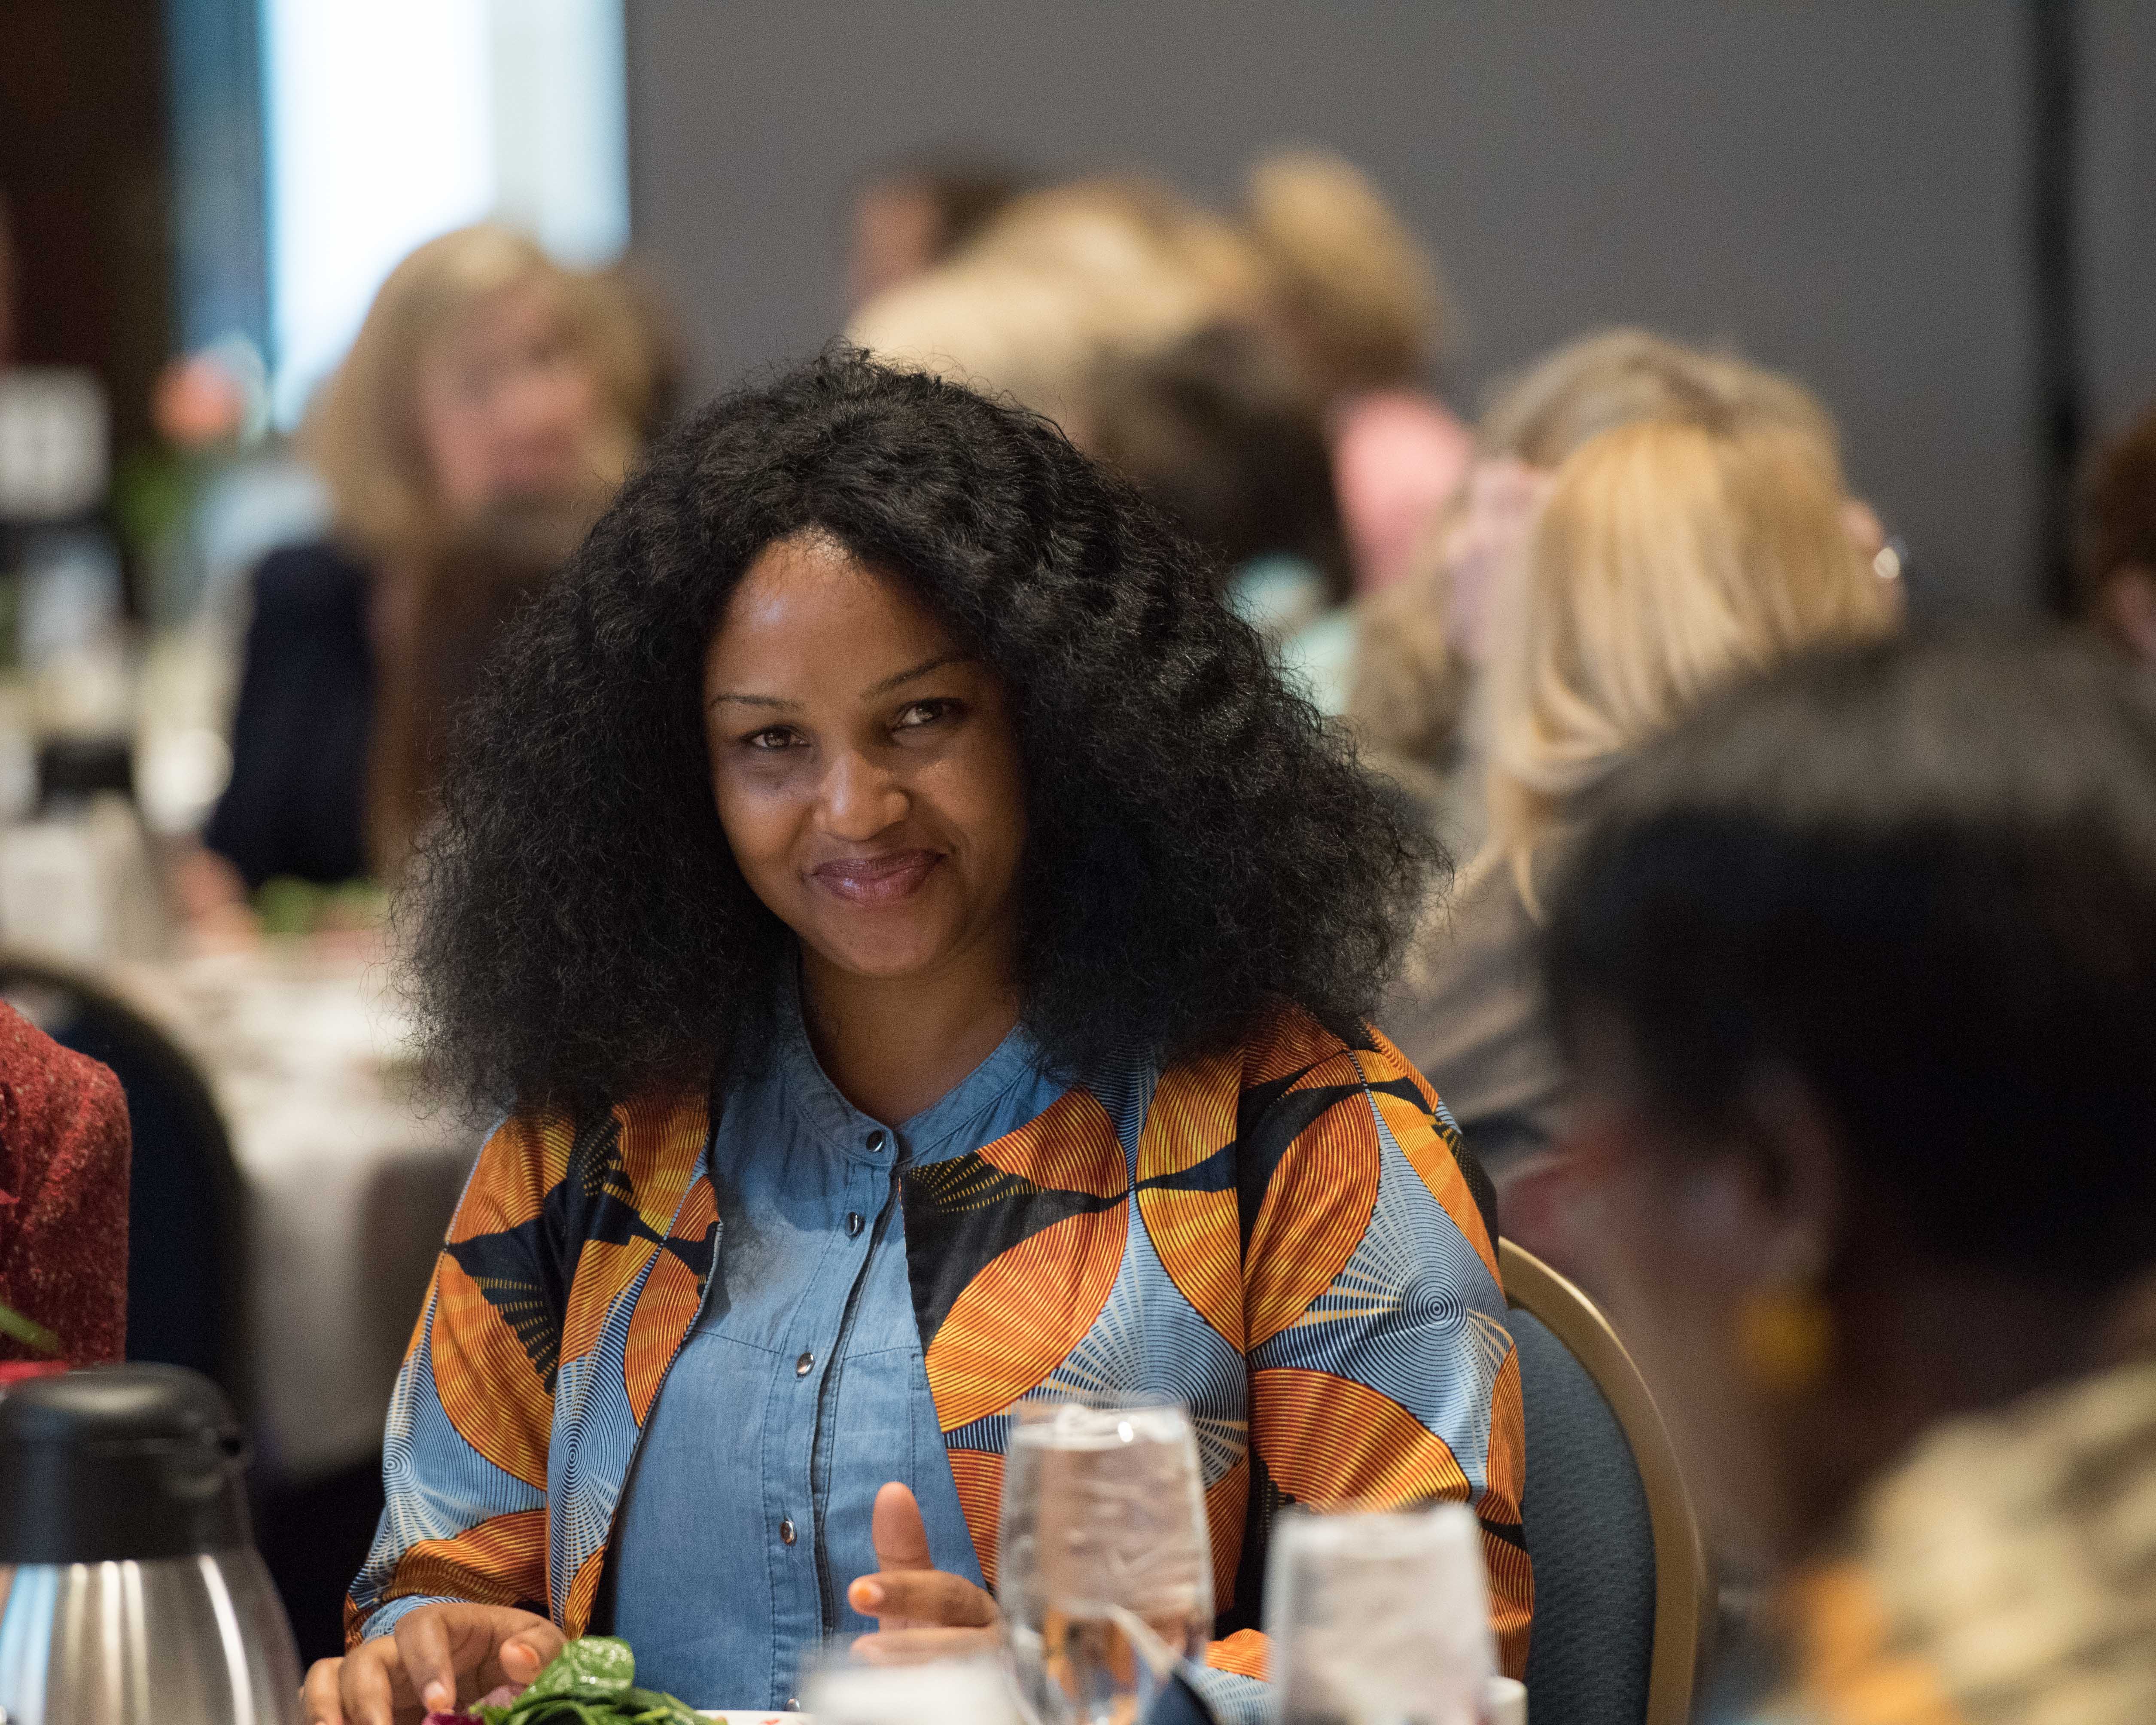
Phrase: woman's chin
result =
(888, 960)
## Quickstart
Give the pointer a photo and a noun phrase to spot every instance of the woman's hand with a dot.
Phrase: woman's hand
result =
(922, 1612)
(437, 1656)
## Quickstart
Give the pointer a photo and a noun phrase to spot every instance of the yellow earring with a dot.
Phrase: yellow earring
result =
(1784, 1339)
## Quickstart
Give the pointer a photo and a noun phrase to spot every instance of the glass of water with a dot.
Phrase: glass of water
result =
(1105, 1563)
(1379, 1618)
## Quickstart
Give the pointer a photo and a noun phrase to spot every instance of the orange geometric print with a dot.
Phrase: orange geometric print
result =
(1197, 1234)
(661, 1148)
(613, 1269)
(1071, 1148)
(1504, 1485)
(1022, 1315)
(1227, 1500)
(584, 1588)
(1428, 1151)
(1289, 1041)
(1331, 1441)
(520, 1164)
(978, 1474)
(1315, 1213)
(1245, 1653)
(666, 1308)
(1511, 1582)
(497, 1402)
(501, 1562)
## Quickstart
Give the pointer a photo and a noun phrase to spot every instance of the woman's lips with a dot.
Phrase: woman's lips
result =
(874, 880)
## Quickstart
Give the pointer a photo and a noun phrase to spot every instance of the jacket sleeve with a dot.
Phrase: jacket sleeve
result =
(464, 1452)
(1381, 1371)
(64, 1173)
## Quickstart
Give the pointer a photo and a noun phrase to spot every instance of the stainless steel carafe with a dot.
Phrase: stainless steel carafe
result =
(129, 1590)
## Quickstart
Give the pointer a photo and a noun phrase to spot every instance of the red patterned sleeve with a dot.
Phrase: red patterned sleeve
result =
(63, 1147)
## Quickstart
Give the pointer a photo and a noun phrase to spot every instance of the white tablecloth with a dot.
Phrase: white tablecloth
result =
(350, 1173)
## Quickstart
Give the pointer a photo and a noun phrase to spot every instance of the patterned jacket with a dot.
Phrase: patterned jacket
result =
(1285, 1224)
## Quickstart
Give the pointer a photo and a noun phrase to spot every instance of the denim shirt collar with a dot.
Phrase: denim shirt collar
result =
(945, 1127)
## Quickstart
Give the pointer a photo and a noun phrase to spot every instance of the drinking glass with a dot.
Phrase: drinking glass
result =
(1105, 1564)
(1379, 1618)
(834, 1691)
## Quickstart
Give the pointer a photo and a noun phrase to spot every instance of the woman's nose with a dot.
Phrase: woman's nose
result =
(860, 799)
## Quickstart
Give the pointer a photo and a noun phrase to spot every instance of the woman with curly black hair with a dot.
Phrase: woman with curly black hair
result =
(920, 945)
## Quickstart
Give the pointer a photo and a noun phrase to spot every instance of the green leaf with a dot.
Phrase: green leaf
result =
(597, 1668)
(27, 1331)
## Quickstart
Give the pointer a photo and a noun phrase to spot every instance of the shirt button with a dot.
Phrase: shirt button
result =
(786, 1533)
(855, 1221)
(875, 1139)
(804, 1365)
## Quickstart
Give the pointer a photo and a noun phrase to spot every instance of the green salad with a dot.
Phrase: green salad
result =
(592, 1682)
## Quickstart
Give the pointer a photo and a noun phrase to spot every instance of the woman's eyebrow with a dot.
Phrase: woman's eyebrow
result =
(753, 699)
(919, 670)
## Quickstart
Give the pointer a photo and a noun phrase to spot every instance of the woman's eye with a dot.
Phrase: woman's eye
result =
(772, 738)
(925, 712)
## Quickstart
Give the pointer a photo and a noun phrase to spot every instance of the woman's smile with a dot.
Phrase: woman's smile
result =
(871, 883)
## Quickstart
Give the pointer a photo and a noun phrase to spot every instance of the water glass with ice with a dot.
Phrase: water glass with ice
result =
(1105, 1566)
(1379, 1618)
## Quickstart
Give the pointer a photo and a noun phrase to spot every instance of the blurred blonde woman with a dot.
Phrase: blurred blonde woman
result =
(1423, 643)
(1670, 557)
(488, 409)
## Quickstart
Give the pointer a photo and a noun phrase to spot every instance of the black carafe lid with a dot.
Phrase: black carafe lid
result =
(114, 1462)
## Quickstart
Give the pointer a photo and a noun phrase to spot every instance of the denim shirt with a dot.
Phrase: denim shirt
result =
(800, 1389)
(656, 1344)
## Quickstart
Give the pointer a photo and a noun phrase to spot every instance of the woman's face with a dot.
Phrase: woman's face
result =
(865, 766)
(508, 408)
(1675, 1238)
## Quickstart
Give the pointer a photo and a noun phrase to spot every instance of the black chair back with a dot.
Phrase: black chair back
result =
(187, 1249)
(1620, 1578)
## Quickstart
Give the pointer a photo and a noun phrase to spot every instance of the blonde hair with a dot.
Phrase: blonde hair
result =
(362, 435)
(1541, 414)
(1362, 293)
(1669, 557)
(1411, 686)
(1065, 282)
(1068, 280)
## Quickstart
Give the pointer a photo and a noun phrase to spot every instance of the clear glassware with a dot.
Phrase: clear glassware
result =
(1379, 1618)
(836, 1690)
(1104, 1563)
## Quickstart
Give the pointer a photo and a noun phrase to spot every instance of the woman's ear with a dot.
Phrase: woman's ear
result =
(1781, 1189)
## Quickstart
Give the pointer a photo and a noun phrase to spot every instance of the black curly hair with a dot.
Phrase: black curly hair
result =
(1201, 846)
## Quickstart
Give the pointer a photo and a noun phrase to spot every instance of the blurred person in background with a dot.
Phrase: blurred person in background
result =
(1670, 557)
(1423, 643)
(1857, 972)
(1219, 431)
(1209, 357)
(487, 410)
(1362, 300)
(910, 215)
(63, 1147)
(2115, 566)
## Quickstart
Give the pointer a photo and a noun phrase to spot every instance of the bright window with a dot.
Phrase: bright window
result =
(390, 122)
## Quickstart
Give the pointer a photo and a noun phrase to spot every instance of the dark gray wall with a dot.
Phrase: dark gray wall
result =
(2118, 209)
(1838, 188)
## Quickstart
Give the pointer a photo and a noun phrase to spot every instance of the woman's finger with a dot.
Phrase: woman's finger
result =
(364, 1686)
(918, 1647)
(897, 1531)
(318, 1695)
(430, 1668)
(522, 1656)
(929, 1599)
